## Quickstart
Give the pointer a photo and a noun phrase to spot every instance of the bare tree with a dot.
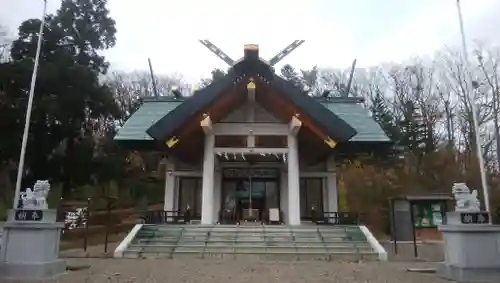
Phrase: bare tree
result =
(310, 78)
(130, 88)
(336, 81)
(454, 78)
(5, 41)
(488, 60)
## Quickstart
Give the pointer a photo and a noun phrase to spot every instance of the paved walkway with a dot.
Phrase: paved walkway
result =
(242, 271)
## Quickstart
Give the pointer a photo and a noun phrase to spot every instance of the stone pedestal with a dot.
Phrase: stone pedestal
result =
(472, 251)
(30, 246)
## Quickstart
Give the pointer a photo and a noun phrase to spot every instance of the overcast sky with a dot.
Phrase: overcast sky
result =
(336, 31)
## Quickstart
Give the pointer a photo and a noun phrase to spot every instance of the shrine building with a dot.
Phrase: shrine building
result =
(252, 143)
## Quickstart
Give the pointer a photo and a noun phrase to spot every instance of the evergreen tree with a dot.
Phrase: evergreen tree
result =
(412, 129)
(383, 116)
(70, 103)
(291, 75)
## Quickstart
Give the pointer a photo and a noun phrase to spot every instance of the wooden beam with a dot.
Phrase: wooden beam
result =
(295, 125)
(255, 151)
(187, 173)
(313, 174)
(206, 124)
(226, 102)
(236, 164)
(255, 129)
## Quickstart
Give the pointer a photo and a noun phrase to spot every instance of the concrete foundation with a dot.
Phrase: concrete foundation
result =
(460, 274)
(30, 249)
(472, 251)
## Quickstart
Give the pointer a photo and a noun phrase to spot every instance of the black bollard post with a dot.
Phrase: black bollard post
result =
(106, 235)
(86, 215)
(187, 216)
(313, 214)
(60, 212)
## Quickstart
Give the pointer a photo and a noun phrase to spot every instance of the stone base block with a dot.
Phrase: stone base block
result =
(30, 249)
(472, 275)
(33, 271)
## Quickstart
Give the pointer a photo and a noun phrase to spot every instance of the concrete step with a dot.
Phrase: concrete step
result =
(154, 241)
(266, 255)
(162, 228)
(263, 242)
(221, 228)
(245, 234)
(249, 246)
(246, 238)
(254, 240)
(152, 235)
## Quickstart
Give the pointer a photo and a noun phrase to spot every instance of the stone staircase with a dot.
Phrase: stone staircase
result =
(263, 242)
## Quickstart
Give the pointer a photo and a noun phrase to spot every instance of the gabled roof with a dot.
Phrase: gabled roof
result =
(167, 124)
(357, 116)
(150, 112)
(334, 126)
(349, 110)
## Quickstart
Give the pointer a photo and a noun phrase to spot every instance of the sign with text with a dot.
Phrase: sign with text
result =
(28, 215)
(474, 218)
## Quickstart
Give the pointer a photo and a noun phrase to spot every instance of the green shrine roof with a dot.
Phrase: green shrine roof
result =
(357, 116)
(139, 122)
(350, 110)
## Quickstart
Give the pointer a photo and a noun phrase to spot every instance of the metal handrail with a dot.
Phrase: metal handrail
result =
(167, 217)
(336, 218)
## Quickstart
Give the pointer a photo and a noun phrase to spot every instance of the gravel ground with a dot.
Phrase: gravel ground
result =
(249, 270)
(96, 251)
(241, 271)
(428, 252)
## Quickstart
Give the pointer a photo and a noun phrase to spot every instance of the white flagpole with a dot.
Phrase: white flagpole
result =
(472, 101)
(20, 169)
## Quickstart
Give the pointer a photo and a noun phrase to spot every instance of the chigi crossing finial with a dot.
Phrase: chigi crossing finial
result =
(251, 52)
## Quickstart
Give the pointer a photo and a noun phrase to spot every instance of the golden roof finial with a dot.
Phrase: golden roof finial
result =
(251, 85)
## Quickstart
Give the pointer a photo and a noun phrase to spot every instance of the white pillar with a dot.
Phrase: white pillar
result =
(331, 186)
(293, 181)
(207, 198)
(217, 192)
(284, 195)
(168, 201)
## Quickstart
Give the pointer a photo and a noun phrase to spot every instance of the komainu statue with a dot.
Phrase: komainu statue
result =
(36, 198)
(466, 201)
